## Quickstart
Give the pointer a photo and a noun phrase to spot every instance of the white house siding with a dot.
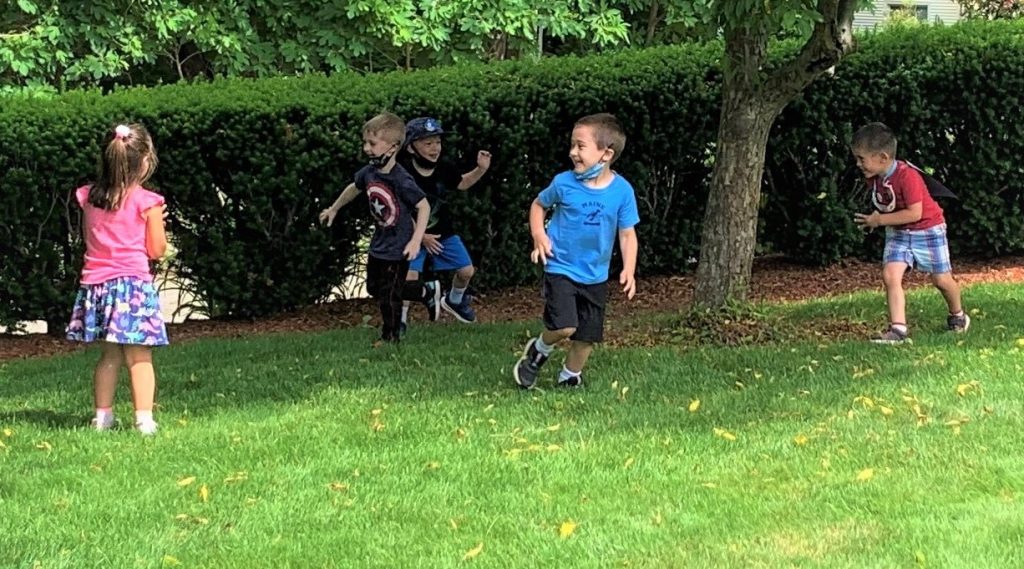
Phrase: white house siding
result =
(945, 11)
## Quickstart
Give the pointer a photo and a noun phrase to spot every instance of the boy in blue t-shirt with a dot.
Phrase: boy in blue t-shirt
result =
(592, 205)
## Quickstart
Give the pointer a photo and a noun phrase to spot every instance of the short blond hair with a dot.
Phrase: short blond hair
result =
(389, 126)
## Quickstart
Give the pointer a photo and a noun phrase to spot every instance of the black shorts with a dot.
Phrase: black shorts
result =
(569, 304)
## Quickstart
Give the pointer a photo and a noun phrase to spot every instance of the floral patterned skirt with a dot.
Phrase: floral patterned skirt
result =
(124, 310)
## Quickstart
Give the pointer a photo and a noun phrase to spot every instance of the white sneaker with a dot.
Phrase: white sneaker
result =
(95, 424)
(146, 429)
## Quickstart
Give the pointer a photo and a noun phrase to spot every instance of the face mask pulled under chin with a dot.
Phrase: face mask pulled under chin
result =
(590, 173)
(423, 162)
(381, 160)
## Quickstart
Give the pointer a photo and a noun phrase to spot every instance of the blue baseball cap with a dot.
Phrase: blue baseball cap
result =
(422, 127)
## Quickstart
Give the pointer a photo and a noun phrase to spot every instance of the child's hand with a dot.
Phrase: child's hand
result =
(869, 220)
(483, 159)
(628, 282)
(412, 250)
(327, 216)
(433, 243)
(541, 249)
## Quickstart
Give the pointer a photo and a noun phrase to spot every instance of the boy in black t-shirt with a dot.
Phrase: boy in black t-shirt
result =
(401, 211)
(420, 157)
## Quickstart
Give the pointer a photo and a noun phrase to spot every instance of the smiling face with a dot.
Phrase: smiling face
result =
(870, 163)
(429, 147)
(584, 150)
(374, 144)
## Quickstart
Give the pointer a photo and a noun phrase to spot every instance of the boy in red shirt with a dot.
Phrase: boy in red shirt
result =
(915, 229)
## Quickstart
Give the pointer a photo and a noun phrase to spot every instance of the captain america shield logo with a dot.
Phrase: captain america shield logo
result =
(382, 204)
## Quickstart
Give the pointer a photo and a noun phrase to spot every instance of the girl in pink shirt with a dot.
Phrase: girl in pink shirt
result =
(117, 304)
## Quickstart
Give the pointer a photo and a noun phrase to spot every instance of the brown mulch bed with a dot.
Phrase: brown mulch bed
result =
(774, 279)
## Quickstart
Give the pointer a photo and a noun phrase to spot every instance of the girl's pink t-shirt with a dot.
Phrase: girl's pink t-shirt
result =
(115, 241)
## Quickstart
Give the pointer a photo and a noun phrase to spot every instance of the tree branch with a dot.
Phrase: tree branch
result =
(831, 39)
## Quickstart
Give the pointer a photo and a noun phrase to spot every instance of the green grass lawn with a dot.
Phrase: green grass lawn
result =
(316, 451)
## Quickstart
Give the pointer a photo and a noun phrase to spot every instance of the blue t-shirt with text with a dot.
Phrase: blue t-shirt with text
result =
(584, 225)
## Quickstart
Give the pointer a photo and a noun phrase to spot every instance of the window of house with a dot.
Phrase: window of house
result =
(921, 12)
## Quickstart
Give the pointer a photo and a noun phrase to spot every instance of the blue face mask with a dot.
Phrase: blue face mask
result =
(590, 173)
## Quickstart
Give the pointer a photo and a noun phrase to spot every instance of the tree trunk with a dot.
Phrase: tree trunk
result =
(751, 100)
(730, 220)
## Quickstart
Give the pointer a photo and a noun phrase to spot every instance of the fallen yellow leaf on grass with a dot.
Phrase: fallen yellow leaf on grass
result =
(694, 405)
(800, 440)
(472, 553)
(964, 388)
(43, 445)
(553, 448)
(866, 474)
(724, 434)
(8, 433)
(887, 411)
(566, 529)
(237, 477)
(629, 462)
(433, 465)
(1020, 342)
(204, 493)
(867, 402)
(186, 481)
(554, 428)
(170, 561)
(338, 486)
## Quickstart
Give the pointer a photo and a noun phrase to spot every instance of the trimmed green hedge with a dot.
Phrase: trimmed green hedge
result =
(247, 165)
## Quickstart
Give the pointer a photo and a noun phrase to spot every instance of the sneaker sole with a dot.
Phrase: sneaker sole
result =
(515, 370)
(435, 312)
(892, 342)
(447, 308)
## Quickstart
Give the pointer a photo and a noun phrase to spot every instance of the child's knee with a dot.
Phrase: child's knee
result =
(466, 273)
(137, 355)
(563, 333)
(412, 275)
(892, 274)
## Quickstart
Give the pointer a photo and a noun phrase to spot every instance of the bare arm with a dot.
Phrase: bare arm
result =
(347, 195)
(483, 162)
(629, 245)
(909, 214)
(541, 243)
(412, 249)
(156, 236)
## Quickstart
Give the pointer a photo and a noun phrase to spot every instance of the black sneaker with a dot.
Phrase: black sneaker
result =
(892, 336)
(571, 383)
(528, 366)
(432, 299)
(958, 324)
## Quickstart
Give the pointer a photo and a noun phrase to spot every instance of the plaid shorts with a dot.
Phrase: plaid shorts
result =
(925, 249)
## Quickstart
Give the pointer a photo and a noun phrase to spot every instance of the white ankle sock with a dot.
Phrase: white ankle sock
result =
(142, 417)
(542, 347)
(455, 295)
(405, 315)
(566, 374)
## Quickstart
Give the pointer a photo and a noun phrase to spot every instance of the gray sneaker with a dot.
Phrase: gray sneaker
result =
(958, 324)
(528, 366)
(892, 336)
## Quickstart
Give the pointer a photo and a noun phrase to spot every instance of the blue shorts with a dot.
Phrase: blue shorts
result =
(925, 249)
(452, 258)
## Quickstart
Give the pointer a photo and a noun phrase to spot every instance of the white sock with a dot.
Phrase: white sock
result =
(405, 315)
(542, 347)
(566, 374)
(104, 415)
(143, 417)
(455, 295)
